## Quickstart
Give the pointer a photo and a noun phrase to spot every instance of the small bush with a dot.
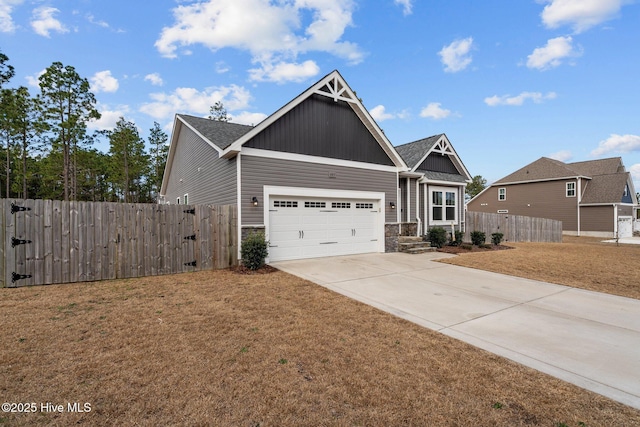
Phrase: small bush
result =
(437, 236)
(496, 238)
(466, 246)
(478, 238)
(486, 246)
(254, 251)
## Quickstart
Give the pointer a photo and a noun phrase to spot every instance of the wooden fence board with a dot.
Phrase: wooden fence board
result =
(86, 241)
(515, 228)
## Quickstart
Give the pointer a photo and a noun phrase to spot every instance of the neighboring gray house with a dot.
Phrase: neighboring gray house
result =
(318, 176)
(591, 198)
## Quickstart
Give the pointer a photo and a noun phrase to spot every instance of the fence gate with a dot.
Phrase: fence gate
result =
(45, 241)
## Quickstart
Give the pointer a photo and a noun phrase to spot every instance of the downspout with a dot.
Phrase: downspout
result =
(419, 228)
(579, 201)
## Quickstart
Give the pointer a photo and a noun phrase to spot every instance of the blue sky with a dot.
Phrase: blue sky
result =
(507, 81)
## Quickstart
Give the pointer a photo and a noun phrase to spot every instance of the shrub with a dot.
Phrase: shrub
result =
(466, 246)
(458, 238)
(478, 238)
(437, 236)
(496, 238)
(254, 251)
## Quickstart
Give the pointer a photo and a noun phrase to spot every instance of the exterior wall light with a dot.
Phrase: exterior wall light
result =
(392, 204)
(254, 200)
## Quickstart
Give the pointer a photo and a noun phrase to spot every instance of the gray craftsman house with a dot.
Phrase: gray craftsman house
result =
(318, 176)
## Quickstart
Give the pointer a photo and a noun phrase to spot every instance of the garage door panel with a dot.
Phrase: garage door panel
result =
(317, 228)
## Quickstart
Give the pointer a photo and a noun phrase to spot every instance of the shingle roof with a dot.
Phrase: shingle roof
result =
(605, 188)
(598, 167)
(222, 134)
(442, 176)
(543, 168)
(606, 177)
(413, 152)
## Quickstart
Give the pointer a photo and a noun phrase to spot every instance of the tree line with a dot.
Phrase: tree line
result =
(46, 149)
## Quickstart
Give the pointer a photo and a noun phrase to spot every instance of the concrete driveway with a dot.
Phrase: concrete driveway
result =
(587, 338)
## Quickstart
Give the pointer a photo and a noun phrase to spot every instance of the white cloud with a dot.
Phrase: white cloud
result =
(552, 54)
(43, 21)
(456, 56)
(435, 111)
(284, 72)
(109, 116)
(103, 81)
(6, 21)
(272, 32)
(635, 175)
(193, 101)
(579, 14)
(33, 79)
(94, 21)
(518, 100)
(246, 118)
(222, 67)
(618, 143)
(154, 79)
(563, 155)
(407, 7)
(380, 114)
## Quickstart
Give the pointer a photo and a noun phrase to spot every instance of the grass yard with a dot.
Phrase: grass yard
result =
(225, 349)
(580, 262)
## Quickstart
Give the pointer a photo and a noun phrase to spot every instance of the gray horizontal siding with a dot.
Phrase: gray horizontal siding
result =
(205, 177)
(258, 172)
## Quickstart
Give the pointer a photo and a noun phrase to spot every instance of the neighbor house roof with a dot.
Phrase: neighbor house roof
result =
(222, 134)
(605, 188)
(606, 178)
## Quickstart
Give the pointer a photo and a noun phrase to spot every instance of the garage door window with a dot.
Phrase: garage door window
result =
(315, 205)
(364, 205)
(285, 204)
(340, 205)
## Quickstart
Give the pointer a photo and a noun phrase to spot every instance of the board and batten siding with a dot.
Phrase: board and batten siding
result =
(256, 172)
(199, 172)
(322, 127)
(535, 199)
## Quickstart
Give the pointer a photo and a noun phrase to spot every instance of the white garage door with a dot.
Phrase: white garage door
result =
(316, 227)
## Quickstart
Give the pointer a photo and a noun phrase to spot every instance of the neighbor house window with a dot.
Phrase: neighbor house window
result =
(502, 194)
(186, 199)
(177, 200)
(444, 205)
(571, 189)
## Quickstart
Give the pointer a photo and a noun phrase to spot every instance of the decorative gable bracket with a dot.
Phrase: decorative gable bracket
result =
(336, 90)
(442, 147)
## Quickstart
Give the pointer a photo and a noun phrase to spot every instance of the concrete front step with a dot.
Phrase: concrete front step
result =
(419, 250)
(414, 245)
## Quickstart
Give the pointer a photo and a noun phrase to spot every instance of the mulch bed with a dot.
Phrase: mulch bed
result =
(265, 269)
(465, 249)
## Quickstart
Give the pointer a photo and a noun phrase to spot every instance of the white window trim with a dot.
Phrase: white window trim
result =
(186, 198)
(505, 194)
(456, 206)
(567, 189)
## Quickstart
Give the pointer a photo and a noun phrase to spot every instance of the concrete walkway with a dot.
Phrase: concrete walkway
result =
(586, 338)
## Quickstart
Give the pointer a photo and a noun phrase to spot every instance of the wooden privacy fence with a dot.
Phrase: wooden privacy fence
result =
(515, 228)
(50, 241)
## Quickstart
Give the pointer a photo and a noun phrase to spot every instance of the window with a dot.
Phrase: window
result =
(315, 204)
(443, 206)
(341, 205)
(177, 200)
(502, 194)
(626, 191)
(364, 205)
(571, 189)
(285, 204)
(186, 199)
